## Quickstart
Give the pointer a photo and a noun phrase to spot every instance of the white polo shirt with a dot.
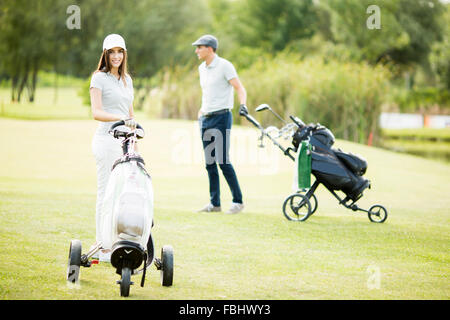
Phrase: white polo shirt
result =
(116, 98)
(217, 92)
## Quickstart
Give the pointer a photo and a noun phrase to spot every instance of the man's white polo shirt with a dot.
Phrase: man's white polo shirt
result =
(217, 92)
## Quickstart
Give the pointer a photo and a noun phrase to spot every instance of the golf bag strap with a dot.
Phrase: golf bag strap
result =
(148, 257)
(127, 159)
(145, 269)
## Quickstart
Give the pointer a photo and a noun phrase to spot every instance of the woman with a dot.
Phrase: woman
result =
(112, 96)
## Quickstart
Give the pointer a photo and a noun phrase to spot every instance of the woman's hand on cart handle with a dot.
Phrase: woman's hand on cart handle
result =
(130, 122)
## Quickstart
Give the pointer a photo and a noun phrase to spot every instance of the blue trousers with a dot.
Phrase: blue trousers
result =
(215, 133)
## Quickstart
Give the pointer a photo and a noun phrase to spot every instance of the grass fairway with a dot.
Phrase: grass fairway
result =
(47, 198)
(60, 104)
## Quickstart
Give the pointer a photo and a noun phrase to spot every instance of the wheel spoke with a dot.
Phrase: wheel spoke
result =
(295, 203)
(377, 213)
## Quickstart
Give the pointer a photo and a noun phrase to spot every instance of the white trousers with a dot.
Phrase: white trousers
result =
(106, 151)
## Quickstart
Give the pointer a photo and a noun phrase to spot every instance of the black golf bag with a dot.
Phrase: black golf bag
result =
(333, 168)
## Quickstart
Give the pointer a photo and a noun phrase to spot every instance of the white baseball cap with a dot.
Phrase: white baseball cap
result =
(114, 40)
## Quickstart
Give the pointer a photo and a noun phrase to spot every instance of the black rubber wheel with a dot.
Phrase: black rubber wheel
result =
(125, 282)
(297, 207)
(74, 261)
(312, 199)
(167, 265)
(377, 213)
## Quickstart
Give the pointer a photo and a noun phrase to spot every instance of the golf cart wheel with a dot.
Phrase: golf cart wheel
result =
(313, 200)
(167, 266)
(377, 213)
(125, 282)
(74, 262)
(297, 207)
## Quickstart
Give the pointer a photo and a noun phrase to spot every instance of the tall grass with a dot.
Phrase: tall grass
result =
(179, 92)
(346, 97)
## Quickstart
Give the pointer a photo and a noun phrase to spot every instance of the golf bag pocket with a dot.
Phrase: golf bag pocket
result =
(130, 217)
(355, 164)
(127, 212)
(355, 190)
(324, 136)
(327, 168)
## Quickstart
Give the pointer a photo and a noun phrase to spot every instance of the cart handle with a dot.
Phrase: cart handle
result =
(253, 121)
(122, 123)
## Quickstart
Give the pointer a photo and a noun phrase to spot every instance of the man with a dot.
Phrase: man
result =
(218, 78)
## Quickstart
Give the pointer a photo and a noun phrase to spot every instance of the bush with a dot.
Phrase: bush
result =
(83, 92)
(50, 79)
(346, 97)
(178, 94)
(421, 100)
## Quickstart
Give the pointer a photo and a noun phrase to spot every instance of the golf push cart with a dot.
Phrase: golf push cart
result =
(127, 220)
(333, 168)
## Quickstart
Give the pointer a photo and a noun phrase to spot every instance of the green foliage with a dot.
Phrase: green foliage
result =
(245, 57)
(273, 24)
(84, 93)
(50, 79)
(27, 43)
(426, 142)
(346, 97)
(440, 55)
(423, 134)
(413, 40)
(426, 99)
(34, 36)
(408, 28)
(178, 94)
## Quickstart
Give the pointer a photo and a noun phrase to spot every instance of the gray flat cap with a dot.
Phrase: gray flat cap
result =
(207, 40)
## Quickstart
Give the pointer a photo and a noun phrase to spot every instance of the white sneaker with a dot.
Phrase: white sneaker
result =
(235, 208)
(210, 208)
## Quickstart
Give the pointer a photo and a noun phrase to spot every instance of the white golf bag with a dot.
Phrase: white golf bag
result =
(127, 211)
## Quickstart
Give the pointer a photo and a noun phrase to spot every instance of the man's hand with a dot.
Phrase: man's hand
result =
(243, 110)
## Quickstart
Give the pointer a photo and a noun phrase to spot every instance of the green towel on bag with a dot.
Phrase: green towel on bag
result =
(304, 166)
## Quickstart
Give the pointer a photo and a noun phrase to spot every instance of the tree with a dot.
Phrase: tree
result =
(34, 36)
(273, 24)
(408, 29)
(25, 47)
(440, 55)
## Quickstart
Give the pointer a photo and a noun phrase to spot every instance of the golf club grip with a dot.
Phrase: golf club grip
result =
(253, 121)
(296, 122)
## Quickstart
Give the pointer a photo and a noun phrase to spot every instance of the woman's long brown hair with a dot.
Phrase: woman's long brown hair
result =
(104, 65)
